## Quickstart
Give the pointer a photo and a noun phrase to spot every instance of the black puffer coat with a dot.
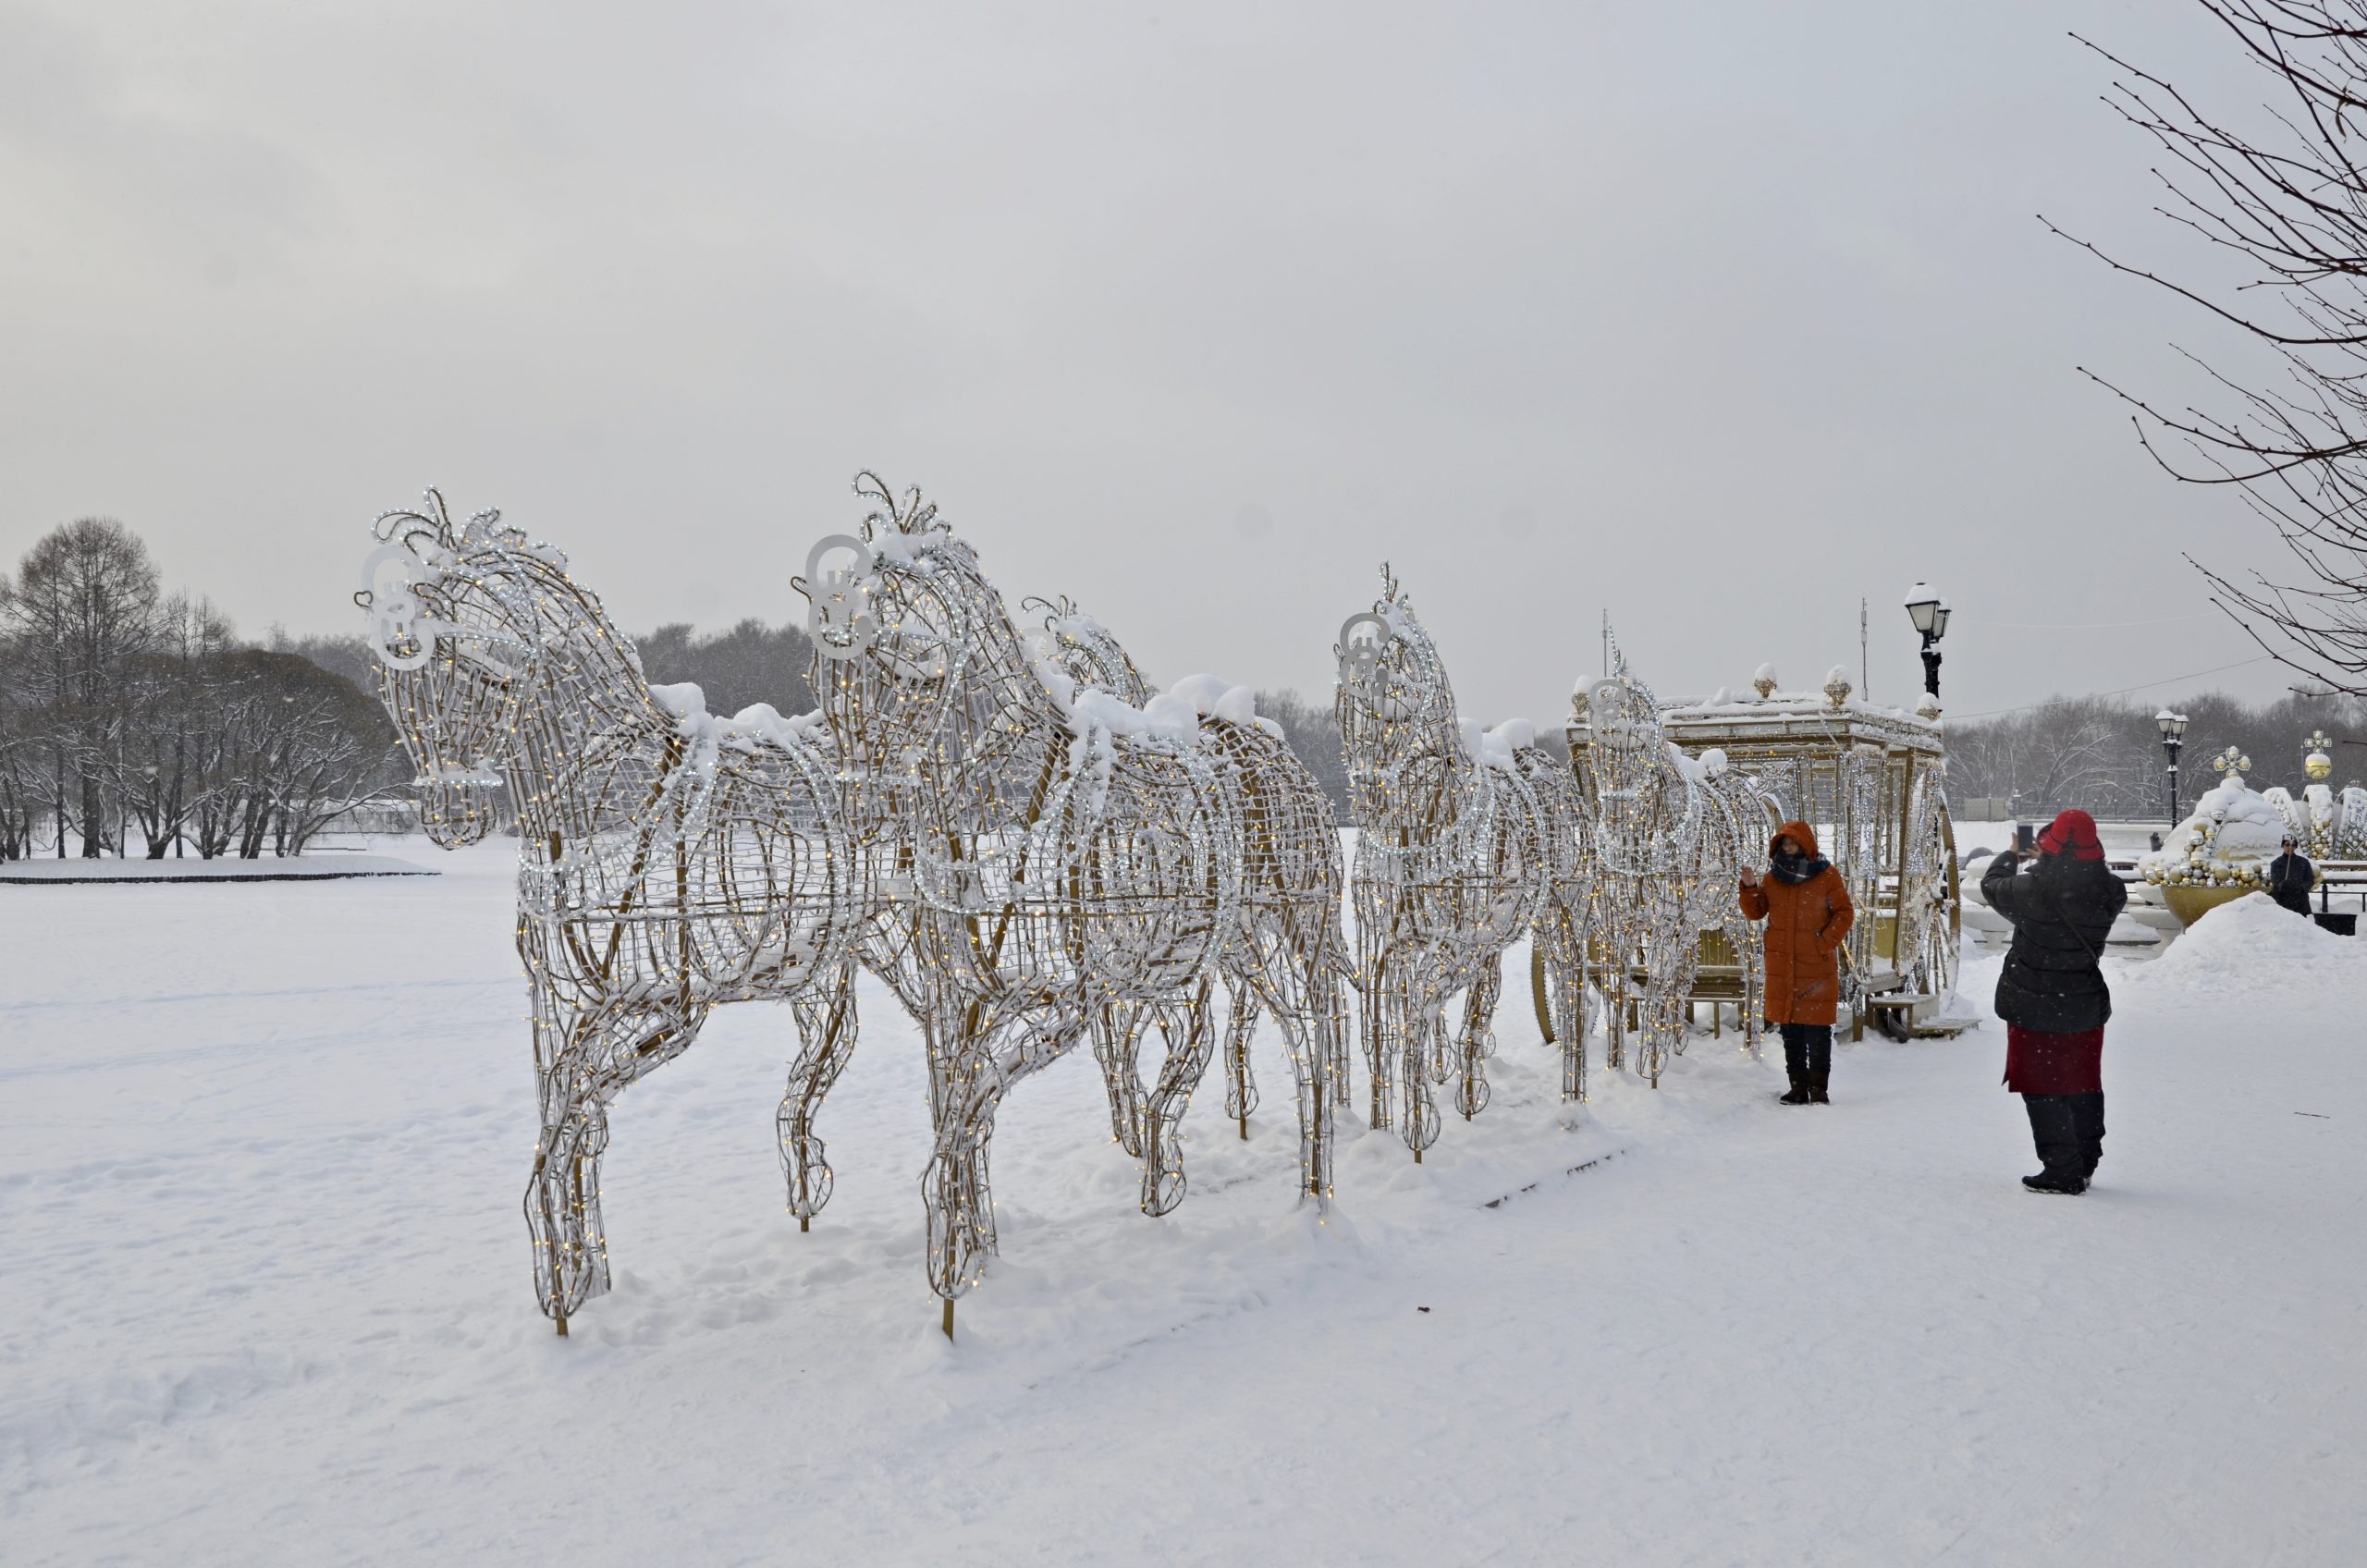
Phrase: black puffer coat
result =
(2290, 877)
(2062, 912)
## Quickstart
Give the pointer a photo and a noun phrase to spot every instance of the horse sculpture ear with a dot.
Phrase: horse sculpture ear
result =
(838, 603)
(397, 617)
(1359, 657)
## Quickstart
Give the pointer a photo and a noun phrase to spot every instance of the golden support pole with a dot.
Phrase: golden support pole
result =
(562, 1325)
(804, 1223)
(949, 1320)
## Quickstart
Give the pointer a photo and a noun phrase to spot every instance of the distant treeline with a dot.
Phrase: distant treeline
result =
(131, 717)
(2105, 756)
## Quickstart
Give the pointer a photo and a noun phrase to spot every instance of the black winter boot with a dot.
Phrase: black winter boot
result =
(2054, 1128)
(2088, 1117)
(1795, 1067)
(1816, 1083)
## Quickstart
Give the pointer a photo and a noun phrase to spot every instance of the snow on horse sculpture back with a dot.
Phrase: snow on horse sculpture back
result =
(668, 860)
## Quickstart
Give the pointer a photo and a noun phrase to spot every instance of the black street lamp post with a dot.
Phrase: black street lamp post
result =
(1930, 613)
(2173, 729)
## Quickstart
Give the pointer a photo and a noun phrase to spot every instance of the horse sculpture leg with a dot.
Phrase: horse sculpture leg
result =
(1374, 1019)
(970, 1070)
(1478, 1035)
(1557, 970)
(584, 1064)
(1299, 979)
(1421, 1021)
(1241, 1023)
(1190, 1037)
(1117, 1031)
(826, 1033)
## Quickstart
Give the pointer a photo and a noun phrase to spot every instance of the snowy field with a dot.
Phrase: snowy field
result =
(266, 1297)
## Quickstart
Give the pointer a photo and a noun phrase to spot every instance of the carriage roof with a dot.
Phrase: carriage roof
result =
(1792, 724)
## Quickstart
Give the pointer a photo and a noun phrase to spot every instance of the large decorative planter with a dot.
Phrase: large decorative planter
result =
(2192, 901)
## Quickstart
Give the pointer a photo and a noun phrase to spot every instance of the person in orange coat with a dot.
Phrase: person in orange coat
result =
(1809, 914)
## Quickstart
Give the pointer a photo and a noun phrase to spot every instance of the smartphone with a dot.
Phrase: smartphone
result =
(2024, 837)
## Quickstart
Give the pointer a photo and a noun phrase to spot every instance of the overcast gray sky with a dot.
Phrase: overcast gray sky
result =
(1721, 315)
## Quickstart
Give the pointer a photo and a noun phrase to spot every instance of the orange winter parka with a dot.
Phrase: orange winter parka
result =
(1806, 924)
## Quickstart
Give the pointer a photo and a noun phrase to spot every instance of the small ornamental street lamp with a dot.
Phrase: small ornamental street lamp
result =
(2173, 728)
(1930, 614)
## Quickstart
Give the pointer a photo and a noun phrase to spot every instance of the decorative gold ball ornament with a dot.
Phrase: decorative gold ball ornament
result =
(2318, 764)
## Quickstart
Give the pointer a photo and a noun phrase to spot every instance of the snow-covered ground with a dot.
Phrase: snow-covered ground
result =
(265, 1294)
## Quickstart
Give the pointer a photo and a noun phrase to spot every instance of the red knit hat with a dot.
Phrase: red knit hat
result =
(2073, 833)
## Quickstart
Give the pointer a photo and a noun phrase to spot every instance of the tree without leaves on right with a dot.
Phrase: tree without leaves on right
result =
(2287, 201)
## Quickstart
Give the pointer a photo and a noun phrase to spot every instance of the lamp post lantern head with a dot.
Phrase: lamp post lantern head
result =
(1925, 609)
(2172, 725)
(1930, 614)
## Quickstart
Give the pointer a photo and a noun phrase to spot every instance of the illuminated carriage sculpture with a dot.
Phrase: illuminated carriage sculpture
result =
(1671, 837)
(1467, 841)
(1871, 781)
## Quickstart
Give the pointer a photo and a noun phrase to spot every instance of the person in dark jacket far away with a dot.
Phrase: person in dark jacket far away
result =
(1808, 913)
(2052, 993)
(2290, 877)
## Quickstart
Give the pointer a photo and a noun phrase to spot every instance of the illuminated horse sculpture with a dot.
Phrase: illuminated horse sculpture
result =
(1467, 841)
(1057, 852)
(1285, 807)
(668, 860)
(1671, 837)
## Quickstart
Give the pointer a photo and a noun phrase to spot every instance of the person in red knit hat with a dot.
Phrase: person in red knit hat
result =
(2052, 996)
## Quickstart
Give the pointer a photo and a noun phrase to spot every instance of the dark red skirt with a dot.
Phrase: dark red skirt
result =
(2053, 1064)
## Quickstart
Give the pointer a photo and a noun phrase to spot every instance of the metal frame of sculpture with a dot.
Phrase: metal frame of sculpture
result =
(1048, 853)
(1671, 837)
(1467, 841)
(668, 860)
(1143, 1124)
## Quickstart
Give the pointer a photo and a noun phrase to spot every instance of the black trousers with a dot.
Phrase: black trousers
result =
(1808, 1048)
(2068, 1130)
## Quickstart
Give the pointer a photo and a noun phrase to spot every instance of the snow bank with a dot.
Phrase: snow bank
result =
(2253, 947)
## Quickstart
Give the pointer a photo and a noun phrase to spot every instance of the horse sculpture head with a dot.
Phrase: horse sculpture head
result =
(1399, 733)
(464, 622)
(914, 655)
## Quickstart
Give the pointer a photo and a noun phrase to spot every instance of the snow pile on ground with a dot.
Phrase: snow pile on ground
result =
(2254, 948)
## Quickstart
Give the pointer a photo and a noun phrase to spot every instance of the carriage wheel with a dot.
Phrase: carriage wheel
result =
(1939, 938)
